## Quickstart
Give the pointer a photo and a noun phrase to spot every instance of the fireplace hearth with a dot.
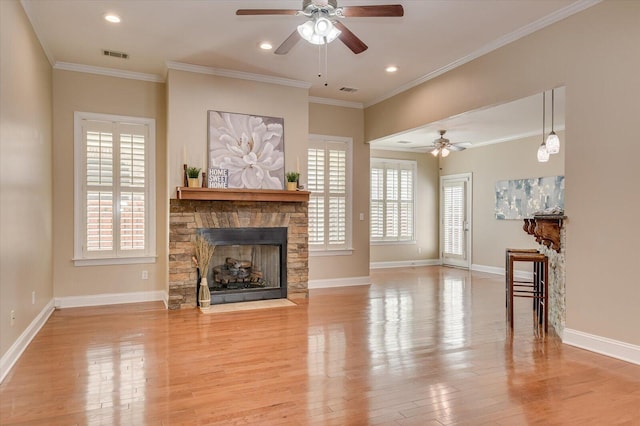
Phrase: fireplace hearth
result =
(248, 264)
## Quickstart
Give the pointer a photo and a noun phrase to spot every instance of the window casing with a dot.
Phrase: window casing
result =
(329, 181)
(392, 207)
(114, 212)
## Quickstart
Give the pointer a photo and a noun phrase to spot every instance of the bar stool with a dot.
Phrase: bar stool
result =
(536, 289)
(506, 261)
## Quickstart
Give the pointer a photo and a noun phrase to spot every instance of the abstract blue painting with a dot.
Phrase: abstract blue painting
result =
(521, 198)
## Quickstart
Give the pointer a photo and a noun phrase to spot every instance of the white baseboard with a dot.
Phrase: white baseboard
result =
(521, 275)
(15, 351)
(602, 345)
(339, 282)
(404, 263)
(110, 299)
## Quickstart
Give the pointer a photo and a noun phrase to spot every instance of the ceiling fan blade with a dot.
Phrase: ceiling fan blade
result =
(266, 12)
(456, 147)
(286, 45)
(373, 11)
(350, 39)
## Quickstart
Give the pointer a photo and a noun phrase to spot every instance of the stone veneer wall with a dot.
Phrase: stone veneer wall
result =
(557, 308)
(188, 215)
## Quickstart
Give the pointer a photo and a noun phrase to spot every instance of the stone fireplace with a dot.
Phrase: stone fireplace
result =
(550, 233)
(231, 219)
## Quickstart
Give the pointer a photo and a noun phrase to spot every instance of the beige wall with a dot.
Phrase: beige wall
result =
(595, 55)
(489, 164)
(191, 95)
(73, 91)
(25, 175)
(332, 120)
(426, 219)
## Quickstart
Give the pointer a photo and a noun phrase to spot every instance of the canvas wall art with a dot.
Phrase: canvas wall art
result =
(250, 147)
(520, 198)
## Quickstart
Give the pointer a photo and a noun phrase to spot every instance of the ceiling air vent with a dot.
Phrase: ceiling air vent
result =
(348, 89)
(115, 54)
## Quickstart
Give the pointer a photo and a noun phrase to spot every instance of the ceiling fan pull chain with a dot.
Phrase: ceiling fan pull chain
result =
(319, 61)
(326, 60)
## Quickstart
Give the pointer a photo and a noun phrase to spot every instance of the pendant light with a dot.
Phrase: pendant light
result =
(543, 154)
(553, 142)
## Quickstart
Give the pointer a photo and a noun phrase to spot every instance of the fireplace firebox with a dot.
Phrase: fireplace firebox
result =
(248, 264)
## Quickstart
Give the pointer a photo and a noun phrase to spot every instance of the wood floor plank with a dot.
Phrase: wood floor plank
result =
(421, 346)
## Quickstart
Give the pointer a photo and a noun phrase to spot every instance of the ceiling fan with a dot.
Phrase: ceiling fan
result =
(443, 145)
(323, 25)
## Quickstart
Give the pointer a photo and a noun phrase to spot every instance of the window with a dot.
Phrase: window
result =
(114, 189)
(329, 181)
(392, 200)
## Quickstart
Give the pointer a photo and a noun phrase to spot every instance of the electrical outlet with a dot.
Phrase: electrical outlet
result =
(361, 216)
(145, 275)
(33, 297)
(419, 250)
(13, 317)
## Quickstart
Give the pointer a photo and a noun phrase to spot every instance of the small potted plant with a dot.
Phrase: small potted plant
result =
(193, 173)
(292, 180)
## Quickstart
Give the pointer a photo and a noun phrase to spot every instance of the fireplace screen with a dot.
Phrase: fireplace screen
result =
(247, 264)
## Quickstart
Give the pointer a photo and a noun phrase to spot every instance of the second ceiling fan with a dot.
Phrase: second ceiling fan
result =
(323, 25)
(442, 146)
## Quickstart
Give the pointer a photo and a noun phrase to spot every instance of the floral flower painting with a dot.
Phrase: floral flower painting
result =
(250, 147)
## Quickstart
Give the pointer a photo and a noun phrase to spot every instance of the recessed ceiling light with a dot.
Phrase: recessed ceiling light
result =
(114, 19)
(391, 68)
(265, 45)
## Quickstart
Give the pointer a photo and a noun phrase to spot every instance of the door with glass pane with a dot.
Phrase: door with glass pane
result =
(455, 220)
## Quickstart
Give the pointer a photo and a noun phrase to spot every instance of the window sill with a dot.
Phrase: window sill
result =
(114, 261)
(323, 253)
(392, 243)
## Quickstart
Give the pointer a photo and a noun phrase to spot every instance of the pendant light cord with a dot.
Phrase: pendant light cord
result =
(552, 108)
(544, 104)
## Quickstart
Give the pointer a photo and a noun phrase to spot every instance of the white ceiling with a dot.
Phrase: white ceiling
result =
(432, 37)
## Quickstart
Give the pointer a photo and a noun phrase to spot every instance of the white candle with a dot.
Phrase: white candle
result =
(298, 164)
(184, 154)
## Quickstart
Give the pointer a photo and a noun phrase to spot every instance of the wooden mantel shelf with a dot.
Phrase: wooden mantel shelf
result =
(230, 194)
(546, 229)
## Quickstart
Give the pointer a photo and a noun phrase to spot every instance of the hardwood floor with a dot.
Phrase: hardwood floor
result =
(420, 346)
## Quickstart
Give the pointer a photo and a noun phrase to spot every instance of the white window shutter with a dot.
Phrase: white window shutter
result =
(114, 187)
(453, 218)
(392, 206)
(329, 222)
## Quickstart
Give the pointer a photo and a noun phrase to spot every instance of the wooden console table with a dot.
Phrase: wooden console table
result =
(546, 229)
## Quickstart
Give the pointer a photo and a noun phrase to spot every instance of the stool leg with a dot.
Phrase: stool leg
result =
(537, 300)
(510, 293)
(506, 279)
(546, 295)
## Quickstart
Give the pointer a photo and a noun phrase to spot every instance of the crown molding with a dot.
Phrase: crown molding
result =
(111, 72)
(530, 28)
(335, 102)
(221, 72)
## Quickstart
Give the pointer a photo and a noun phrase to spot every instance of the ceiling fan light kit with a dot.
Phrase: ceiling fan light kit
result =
(319, 31)
(443, 146)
